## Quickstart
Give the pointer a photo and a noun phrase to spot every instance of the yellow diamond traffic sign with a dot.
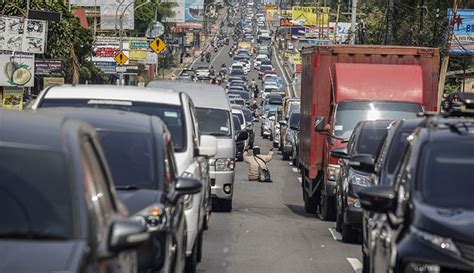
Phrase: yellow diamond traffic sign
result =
(157, 45)
(120, 58)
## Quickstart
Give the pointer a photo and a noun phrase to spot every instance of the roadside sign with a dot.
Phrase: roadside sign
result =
(157, 45)
(463, 42)
(120, 58)
(285, 22)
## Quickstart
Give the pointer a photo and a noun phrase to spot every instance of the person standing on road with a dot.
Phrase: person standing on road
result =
(256, 160)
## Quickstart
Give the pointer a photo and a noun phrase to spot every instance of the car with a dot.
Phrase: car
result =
(238, 66)
(240, 102)
(176, 109)
(269, 75)
(429, 206)
(203, 73)
(386, 163)
(248, 115)
(268, 89)
(237, 72)
(258, 60)
(292, 127)
(58, 202)
(135, 147)
(237, 58)
(275, 128)
(241, 94)
(233, 96)
(239, 144)
(214, 117)
(268, 72)
(263, 69)
(186, 75)
(238, 88)
(272, 102)
(246, 65)
(366, 140)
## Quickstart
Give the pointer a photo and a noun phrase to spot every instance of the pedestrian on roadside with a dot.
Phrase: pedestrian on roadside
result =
(256, 161)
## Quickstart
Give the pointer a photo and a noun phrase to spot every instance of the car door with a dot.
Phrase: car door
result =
(344, 172)
(390, 223)
(103, 209)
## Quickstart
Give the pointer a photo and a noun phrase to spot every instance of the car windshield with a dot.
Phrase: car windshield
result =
(213, 122)
(172, 115)
(271, 114)
(35, 195)
(295, 119)
(445, 179)
(348, 114)
(371, 138)
(248, 115)
(237, 122)
(130, 158)
(238, 102)
(243, 95)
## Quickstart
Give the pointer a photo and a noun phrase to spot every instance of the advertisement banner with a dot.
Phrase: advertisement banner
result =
(106, 67)
(49, 67)
(343, 29)
(84, 3)
(194, 10)
(24, 35)
(17, 69)
(52, 81)
(111, 11)
(463, 33)
(297, 32)
(138, 55)
(13, 98)
(178, 10)
(151, 58)
(310, 16)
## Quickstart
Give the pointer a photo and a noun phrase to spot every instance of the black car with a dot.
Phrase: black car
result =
(428, 224)
(59, 210)
(139, 151)
(248, 114)
(364, 143)
(387, 160)
(292, 128)
(240, 141)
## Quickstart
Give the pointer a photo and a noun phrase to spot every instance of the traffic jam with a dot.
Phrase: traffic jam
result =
(236, 165)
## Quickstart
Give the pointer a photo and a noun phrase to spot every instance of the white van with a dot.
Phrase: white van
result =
(214, 116)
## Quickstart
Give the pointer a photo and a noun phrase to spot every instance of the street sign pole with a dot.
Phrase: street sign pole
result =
(121, 48)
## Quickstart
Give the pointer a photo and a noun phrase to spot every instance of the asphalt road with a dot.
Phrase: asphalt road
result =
(268, 230)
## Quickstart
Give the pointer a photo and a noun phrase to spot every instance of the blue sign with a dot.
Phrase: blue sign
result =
(463, 33)
(194, 10)
(106, 67)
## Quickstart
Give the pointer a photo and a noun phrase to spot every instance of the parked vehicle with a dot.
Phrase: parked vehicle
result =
(275, 128)
(203, 73)
(428, 222)
(268, 118)
(136, 147)
(214, 117)
(365, 141)
(248, 114)
(389, 156)
(361, 91)
(292, 127)
(240, 144)
(176, 109)
(59, 206)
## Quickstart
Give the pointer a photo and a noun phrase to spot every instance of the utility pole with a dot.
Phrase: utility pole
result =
(435, 30)
(444, 64)
(353, 21)
(389, 33)
(336, 30)
(422, 14)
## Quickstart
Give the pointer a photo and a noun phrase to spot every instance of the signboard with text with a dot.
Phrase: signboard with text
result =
(18, 69)
(49, 67)
(22, 35)
(310, 16)
(463, 33)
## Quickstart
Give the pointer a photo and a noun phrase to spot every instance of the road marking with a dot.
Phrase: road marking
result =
(295, 170)
(336, 235)
(356, 264)
(299, 179)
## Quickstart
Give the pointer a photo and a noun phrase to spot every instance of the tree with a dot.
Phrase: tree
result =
(145, 15)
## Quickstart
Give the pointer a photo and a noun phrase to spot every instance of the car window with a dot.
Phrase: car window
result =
(170, 166)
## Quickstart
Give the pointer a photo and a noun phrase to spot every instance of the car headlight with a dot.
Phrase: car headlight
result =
(224, 164)
(442, 243)
(188, 201)
(359, 180)
(153, 217)
(333, 172)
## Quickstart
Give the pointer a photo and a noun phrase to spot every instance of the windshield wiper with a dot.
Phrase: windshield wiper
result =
(128, 187)
(32, 236)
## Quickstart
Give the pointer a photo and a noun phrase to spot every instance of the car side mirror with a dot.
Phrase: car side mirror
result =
(319, 124)
(126, 234)
(363, 162)
(242, 135)
(187, 185)
(295, 127)
(340, 152)
(208, 146)
(377, 199)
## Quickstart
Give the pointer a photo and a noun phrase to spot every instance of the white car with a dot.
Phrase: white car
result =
(258, 60)
(245, 64)
(268, 89)
(239, 66)
(177, 111)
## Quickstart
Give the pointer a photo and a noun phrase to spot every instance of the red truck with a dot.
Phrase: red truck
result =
(342, 85)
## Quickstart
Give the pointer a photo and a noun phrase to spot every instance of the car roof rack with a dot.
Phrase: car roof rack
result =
(458, 104)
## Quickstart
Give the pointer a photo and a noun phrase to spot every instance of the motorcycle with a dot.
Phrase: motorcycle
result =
(215, 49)
(231, 53)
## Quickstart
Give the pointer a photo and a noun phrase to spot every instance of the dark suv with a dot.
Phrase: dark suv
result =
(428, 224)
(363, 145)
(139, 151)
(58, 207)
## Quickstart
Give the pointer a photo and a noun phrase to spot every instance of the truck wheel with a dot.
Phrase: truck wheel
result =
(327, 208)
(349, 235)
(225, 205)
(285, 156)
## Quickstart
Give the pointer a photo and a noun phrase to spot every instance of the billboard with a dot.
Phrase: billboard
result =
(194, 10)
(310, 16)
(463, 33)
(49, 67)
(178, 10)
(17, 69)
(111, 11)
(24, 35)
(13, 98)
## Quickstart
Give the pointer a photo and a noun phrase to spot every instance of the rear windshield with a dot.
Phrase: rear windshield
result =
(295, 119)
(213, 122)
(370, 139)
(172, 115)
(130, 158)
(445, 179)
(35, 195)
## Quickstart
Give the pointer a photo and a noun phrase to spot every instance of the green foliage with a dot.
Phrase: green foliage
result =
(145, 15)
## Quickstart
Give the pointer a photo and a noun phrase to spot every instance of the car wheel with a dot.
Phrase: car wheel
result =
(349, 235)
(225, 205)
(265, 136)
(285, 156)
(338, 222)
(326, 208)
(192, 261)
(200, 240)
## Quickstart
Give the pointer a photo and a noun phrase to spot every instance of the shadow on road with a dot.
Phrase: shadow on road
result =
(299, 210)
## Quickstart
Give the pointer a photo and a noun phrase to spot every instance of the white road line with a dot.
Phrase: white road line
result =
(336, 235)
(356, 264)
(299, 179)
(295, 170)
(282, 71)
